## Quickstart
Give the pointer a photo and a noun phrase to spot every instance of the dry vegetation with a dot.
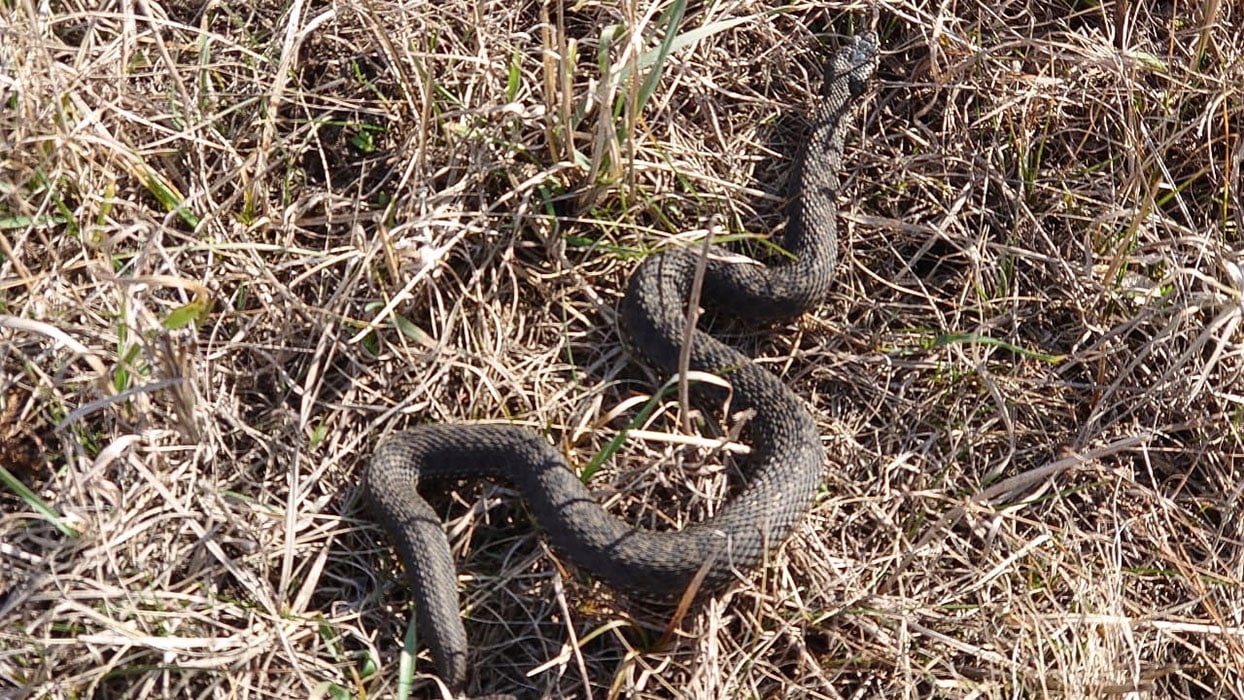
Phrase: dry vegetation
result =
(241, 241)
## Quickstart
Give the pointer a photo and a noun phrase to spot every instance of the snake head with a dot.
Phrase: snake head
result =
(856, 60)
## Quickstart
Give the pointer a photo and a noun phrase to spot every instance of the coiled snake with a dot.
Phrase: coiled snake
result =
(786, 458)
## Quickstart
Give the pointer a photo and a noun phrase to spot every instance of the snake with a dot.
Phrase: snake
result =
(781, 474)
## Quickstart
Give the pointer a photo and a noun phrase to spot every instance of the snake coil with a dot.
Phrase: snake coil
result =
(784, 468)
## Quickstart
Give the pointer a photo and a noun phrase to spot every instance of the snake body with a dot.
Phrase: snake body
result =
(784, 468)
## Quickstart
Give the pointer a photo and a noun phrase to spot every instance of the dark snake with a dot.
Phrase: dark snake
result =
(784, 467)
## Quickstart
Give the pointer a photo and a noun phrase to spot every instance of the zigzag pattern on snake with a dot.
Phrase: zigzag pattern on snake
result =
(783, 469)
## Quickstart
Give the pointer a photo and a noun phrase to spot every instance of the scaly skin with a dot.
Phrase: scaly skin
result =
(784, 468)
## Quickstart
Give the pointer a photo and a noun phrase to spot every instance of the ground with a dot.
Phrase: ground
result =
(243, 241)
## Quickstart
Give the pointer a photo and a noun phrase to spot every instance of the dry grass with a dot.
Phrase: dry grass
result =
(241, 241)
